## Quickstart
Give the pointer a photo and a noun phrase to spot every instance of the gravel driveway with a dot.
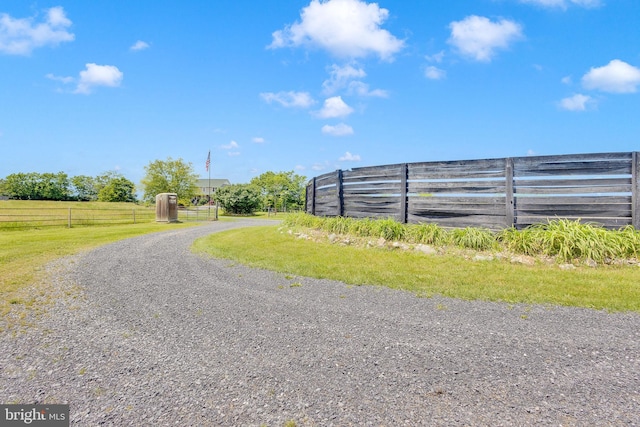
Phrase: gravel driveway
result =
(145, 333)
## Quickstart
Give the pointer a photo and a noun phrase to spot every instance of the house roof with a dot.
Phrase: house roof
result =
(215, 182)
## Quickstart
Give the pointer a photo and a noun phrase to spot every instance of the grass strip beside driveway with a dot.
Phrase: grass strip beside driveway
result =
(608, 287)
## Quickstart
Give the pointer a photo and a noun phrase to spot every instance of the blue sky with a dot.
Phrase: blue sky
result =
(312, 86)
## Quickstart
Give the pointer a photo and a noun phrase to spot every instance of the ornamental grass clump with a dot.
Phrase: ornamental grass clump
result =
(304, 220)
(337, 224)
(363, 227)
(389, 229)
(428, 234)
(521, 241)
(568, 240)
(629, 239)
(473, 238)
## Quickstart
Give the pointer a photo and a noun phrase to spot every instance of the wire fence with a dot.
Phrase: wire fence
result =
(21, 218)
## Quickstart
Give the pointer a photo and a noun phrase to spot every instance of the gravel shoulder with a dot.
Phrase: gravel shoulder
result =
(143, 332)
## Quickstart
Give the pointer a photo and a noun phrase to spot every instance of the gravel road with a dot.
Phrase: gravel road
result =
(145, 333)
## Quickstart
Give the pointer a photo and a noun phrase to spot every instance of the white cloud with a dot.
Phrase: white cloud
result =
(334, 107)
(347, 77)
(337, 130)
(139, 45)
(230, 146)
(345, 28)
(339, 77)
(258, 140)
(615, 77)
(98, 75)
(362, 89)
(531, 152)
(62, 79)
(289, 99)
(318, 167)
(233, 153)
(478, 37)
(567, 80)
(22, 36)
(434, 73)
(577, 102)
(348, 157)
(437, 58)
(299, 168)
(563, 4)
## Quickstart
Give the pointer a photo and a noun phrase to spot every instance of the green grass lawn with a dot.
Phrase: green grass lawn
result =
(612, 288)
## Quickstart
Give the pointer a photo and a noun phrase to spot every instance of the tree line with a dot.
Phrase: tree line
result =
(280, 191)
(108, 187)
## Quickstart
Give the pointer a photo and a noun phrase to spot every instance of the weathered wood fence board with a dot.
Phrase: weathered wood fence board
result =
(494, 193)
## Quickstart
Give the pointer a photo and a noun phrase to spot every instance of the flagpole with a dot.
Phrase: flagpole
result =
(209, 169)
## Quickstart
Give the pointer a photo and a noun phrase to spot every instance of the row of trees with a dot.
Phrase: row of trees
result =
(108, 187)
(271, 190)
(274, 190)
(277, 190)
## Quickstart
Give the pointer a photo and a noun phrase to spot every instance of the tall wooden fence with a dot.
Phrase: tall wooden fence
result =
(602, 188)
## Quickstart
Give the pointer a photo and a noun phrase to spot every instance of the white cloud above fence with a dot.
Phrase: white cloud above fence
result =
(344, 28)
(615, 77)
(479, 38)
(20, 36)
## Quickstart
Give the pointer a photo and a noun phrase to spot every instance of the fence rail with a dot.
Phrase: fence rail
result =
(21, 218)
(601, 188)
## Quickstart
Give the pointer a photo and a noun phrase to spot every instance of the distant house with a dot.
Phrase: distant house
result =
(204, 190)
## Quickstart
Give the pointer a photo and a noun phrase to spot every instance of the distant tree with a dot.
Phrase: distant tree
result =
(19, 186)
(37, 186)
(118, 189)
(242, 199)
(103, 179)
(84, 188)
(53, 186)
(281, 189)
(170, 176)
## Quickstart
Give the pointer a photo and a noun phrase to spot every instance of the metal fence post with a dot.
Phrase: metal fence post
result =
(313, 196)
(340, 194)
(509, 199)
(635, 189)
(404, 199)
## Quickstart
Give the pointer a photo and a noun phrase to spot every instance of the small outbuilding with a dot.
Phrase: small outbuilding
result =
(167, 207)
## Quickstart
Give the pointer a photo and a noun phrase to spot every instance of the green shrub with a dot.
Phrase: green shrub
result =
(239, 199)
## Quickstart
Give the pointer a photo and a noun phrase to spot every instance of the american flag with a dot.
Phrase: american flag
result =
(208, 161)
